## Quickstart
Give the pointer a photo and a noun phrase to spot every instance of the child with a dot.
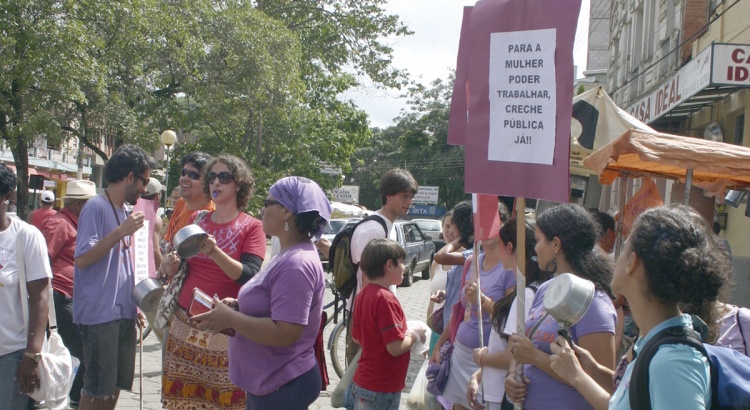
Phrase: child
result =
(379, 326)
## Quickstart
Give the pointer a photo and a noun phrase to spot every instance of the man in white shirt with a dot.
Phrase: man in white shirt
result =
(397, 190)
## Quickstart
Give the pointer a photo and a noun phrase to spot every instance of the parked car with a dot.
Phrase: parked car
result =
(334, 226)
(432, 228)
(420, 251)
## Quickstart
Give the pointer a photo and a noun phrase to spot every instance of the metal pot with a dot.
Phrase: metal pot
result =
(568, 298)
(147, 294)
(187, 241)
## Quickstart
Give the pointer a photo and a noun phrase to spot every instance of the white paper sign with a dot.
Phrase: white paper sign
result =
(523, 96)
(140, 239)
(427, 195)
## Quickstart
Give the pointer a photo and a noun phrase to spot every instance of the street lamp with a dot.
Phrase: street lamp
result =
(168, 138)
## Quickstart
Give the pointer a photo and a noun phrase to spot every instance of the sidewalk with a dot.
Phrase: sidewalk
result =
(413, 299)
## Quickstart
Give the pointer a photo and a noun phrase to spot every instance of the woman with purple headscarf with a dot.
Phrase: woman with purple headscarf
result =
(278, 312)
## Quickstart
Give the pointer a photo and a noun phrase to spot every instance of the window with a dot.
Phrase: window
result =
(739, 129)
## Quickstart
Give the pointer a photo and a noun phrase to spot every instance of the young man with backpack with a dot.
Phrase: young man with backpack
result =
(397, 190)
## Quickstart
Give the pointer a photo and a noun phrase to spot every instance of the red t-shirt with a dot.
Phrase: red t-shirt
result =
(244, 234)
(378, 320)
(60, 231)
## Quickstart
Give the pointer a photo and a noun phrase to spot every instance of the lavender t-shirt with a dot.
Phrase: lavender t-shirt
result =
(545, 392)
(288, 289)
(494, 284)
(103, 290)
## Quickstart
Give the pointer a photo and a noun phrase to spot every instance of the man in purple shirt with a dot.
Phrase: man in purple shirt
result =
(104, 279)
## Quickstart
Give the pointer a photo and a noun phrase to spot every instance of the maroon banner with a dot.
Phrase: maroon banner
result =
(459, 107)
(518, 133)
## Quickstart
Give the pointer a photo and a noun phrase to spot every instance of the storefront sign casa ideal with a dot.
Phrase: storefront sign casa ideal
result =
(717, 65)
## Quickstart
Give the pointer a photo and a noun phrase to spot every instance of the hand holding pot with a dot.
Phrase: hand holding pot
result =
(208, 245)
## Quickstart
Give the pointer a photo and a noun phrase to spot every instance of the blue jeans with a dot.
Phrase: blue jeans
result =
(10, 398)
(369, 400)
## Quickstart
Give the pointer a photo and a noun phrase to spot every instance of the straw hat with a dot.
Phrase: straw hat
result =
(80, 189)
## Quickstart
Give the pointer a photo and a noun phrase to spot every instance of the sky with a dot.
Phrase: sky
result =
(430, 53)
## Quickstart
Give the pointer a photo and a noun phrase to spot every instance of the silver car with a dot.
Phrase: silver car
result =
(432, 228)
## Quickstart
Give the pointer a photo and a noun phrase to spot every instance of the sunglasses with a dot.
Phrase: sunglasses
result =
(194, 175)
(224, 177)
(145, 181)
(270, 202)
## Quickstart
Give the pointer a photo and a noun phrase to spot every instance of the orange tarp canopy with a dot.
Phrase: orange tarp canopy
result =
(715, 165)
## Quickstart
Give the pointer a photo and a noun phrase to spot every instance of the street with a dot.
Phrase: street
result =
(413, 299)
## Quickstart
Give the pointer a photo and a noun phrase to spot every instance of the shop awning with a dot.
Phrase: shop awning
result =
(715, 165)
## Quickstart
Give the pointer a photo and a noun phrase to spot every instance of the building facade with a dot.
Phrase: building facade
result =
(683, 67)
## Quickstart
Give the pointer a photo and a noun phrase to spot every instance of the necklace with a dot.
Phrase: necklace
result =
(125, 243)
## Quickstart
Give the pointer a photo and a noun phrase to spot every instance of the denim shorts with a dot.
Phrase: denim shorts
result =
(369, 400)
(109, 356)
(10, 398)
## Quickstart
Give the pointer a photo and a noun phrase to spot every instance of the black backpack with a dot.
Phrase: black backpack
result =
(340, 257)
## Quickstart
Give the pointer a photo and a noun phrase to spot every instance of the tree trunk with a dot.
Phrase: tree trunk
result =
(21, 158)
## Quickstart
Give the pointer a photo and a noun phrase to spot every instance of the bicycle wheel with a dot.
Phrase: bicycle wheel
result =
(337, 347)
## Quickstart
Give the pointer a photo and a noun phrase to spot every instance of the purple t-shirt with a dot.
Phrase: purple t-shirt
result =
(545, 392)
(288, 289)
(494, 284)
(102, 291)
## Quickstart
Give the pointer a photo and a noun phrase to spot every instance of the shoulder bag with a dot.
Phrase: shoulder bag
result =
(168, 302)
(57, 369)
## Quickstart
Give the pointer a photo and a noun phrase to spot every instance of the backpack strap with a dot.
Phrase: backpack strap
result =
(639, 394)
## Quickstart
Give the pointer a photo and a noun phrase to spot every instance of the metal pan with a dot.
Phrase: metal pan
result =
(567, 299)
(147, 294)
(187, 241)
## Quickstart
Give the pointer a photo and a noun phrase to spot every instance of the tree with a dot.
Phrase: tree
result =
(417, 142)
(40, 60)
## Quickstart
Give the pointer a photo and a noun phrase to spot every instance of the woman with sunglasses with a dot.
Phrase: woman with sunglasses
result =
(192, 196)
(196, 371)
(277, 314)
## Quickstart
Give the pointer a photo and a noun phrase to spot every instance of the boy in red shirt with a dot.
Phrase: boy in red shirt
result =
(379, 326)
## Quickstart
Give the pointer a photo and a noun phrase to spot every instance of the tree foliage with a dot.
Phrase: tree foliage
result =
(416, 142)
(258, 79)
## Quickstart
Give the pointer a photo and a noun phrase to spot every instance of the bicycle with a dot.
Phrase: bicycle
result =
(337, 337)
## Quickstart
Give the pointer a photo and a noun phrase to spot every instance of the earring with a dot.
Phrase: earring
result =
(551, 266)
(286, 226)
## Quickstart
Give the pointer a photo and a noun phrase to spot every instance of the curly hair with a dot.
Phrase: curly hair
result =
(682, 263)
(128, 158)
(463, 218)
(8, 179)
(578, 233)
(308, 223)
(242, 176)
(508, 234)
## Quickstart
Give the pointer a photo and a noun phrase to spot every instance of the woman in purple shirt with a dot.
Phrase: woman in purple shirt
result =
(279, 310)
(565, 239)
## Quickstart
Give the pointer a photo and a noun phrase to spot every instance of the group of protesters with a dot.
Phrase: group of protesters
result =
(254, 347)
(672, 271)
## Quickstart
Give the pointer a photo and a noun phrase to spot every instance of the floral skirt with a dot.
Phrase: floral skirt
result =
(196, 369)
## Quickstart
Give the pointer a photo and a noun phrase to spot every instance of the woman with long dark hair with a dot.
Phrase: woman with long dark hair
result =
(494, 359)
(565, 239)
(668, 262)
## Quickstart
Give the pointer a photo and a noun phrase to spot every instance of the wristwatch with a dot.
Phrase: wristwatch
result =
(37, 357)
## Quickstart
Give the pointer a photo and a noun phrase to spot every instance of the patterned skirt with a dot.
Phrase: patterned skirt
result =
(196, 369)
